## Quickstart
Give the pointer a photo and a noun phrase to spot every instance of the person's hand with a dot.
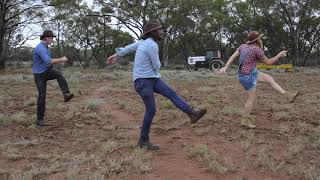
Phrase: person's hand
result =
(112, 59)
(64, 59)
(222, 71)
(283, 53)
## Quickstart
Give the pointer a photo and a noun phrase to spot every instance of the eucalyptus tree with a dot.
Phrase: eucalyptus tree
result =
(84, 33)
(197, 25)
(180, 17)
(302, 23)
(292, 25)
(257, 15)
(16, 16)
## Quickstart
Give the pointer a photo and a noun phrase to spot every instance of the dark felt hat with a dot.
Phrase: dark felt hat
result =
(151, 26)
(47, 33)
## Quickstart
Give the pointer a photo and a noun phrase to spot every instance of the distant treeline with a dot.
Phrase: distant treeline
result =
(88, 34)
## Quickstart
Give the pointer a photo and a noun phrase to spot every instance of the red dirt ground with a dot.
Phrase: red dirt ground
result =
(220, 132)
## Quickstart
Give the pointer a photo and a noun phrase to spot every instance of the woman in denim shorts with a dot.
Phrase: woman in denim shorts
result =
(248, 75)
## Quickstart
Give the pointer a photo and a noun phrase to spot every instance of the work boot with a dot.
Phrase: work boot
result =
(68, 97)
(195, 115)
(291, 96)
(246, 123)
(147, 145)
(40, 122)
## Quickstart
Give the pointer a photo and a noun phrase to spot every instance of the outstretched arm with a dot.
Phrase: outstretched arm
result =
(122, 52)
(234, 56)
(112, 59)
(274, 59)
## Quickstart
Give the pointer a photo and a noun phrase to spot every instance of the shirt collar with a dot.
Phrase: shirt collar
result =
(45, 44)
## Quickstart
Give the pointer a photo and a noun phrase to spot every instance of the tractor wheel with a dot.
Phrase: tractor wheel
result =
(216, 65)
(192, 68)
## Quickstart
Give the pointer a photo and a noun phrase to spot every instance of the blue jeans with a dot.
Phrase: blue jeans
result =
(145, 87)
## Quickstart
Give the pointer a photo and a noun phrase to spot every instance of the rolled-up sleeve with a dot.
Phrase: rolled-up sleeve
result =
(128, 49)
(153, 53)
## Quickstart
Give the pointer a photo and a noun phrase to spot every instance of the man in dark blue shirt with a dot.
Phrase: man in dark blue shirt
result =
(43, 71)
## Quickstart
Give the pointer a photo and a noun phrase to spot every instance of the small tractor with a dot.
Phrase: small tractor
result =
(211, 61)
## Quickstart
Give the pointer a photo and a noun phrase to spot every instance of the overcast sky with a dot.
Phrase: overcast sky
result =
(38, 30)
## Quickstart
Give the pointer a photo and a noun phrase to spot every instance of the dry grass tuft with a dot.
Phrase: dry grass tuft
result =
(210, 159)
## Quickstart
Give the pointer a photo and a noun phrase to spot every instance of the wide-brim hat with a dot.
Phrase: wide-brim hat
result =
(151, 26)
(253, 36)
(47, 33)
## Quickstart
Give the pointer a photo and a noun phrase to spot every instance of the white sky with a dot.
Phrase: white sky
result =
(38, 30)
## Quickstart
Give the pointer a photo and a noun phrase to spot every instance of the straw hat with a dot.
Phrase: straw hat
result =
(253, 36)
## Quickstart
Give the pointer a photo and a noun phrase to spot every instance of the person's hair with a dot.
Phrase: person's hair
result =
(42, 38)
(259, 43)
(151, 34)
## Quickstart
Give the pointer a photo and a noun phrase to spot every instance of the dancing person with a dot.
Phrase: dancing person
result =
(147, 79)
(249, 54)
(43, 71)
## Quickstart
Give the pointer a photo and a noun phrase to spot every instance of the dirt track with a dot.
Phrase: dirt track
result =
(91, 134)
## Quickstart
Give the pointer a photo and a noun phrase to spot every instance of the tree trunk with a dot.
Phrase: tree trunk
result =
(2, 59)
(165, 52)
(2, 65)
(58, 40)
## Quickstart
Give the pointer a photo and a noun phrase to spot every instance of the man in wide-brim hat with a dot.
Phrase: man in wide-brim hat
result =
(47, 33)
(152, 27)
(147, 79)
(43, 71)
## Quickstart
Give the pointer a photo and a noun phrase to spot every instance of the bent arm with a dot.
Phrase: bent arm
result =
(274, 59)
(59, 60)
(48, 60)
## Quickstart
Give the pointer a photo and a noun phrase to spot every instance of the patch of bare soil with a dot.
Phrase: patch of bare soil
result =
(105, 124)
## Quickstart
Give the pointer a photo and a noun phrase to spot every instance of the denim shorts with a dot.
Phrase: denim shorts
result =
(248, 81)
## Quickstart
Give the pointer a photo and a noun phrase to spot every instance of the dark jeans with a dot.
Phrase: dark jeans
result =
(41, 83)
(146, 87)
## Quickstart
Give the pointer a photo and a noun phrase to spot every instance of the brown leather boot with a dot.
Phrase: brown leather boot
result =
(196, 114)
(291, 96)
(247, 123)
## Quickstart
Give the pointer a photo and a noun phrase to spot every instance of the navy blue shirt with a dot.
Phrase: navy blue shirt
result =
(41, 58)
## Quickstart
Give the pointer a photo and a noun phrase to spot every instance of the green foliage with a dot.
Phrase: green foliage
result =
(89, 34)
